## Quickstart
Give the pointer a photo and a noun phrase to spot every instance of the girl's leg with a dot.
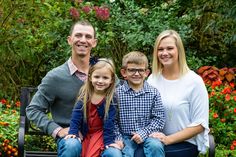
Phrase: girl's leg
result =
(68, 148)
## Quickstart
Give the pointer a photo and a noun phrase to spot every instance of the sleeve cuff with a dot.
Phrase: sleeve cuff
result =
(54, 133)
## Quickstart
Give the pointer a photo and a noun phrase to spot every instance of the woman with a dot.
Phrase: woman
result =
(184, 97)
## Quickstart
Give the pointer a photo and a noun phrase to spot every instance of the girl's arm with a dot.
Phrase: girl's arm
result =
(109, 127)
(76, 119)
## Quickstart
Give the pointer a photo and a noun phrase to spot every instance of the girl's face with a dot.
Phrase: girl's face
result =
(101, 79)
(168, 52)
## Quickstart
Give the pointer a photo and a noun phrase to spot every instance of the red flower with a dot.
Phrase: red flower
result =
(234, 98)
(86, 9)
(234, 143)
(231, 84)
(216, 83)
(232, 147)
(215, 115)
(226, 90)
(234, 92)
(227, 97)
(234, 110)
(3, 101)
(74, 13)
(102, 13)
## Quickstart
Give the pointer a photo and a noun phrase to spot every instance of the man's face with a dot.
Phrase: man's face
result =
(135, 74)
(82, 40)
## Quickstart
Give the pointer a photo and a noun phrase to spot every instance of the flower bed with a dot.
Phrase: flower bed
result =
(220, 84)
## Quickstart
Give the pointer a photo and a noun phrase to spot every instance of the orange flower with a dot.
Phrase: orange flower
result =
(212, 93)
(17, 104)
(215, 115)
(223, 120)
(227, 97)
(4, 123)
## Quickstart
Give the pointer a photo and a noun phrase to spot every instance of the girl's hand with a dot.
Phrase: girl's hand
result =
(118, 144)
(162, 137)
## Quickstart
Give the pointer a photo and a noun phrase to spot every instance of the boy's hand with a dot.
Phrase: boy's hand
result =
(137, 138)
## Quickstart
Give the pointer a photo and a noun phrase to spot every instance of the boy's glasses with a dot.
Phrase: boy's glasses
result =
(132, 71)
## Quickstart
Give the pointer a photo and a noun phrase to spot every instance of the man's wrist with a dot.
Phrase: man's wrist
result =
(55, 132)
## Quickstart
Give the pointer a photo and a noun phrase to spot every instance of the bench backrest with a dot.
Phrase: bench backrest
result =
(25, 98)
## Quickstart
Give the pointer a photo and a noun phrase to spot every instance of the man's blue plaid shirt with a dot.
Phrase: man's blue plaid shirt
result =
(141, 112)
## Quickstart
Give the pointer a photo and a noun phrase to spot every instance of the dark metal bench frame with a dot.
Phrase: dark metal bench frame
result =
(26, 128)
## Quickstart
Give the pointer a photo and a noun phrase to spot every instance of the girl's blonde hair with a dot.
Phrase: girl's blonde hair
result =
(157, 66)
(86, 91)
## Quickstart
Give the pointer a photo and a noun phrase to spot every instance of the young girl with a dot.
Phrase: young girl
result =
(95, 111)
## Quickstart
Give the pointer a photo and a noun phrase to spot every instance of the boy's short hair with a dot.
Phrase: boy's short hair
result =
(134, 57)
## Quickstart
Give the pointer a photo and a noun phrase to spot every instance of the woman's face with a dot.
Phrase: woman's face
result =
(168, 52)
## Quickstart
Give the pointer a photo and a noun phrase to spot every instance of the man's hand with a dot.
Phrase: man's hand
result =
(63, 132)
(71, 136)
(137, 138)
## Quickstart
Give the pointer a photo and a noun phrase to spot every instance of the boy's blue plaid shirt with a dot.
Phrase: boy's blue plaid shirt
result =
(141, 112)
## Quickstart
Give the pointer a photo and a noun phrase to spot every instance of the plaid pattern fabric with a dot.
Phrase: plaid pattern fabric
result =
(141, 112)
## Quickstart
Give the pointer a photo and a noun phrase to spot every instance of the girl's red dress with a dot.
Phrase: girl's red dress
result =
(93, 145)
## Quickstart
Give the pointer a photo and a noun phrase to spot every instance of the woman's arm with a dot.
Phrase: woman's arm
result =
(180, 136)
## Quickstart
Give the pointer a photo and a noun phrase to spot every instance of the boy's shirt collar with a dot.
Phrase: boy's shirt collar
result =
(127, 88)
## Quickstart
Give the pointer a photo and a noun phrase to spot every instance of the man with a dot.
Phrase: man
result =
(58, 90)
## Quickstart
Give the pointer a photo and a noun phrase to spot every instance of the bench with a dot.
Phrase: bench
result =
(26, 128)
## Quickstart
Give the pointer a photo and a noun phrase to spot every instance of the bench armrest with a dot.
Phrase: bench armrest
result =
(21, 136)
(211, 151)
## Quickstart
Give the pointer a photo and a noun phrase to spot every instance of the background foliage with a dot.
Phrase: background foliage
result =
(33, 33)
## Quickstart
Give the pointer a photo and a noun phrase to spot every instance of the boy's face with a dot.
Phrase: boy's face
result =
(135, 75)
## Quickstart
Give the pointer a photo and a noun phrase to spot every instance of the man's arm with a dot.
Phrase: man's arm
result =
(39, 105)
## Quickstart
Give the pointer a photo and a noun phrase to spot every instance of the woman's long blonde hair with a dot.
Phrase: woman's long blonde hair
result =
(157, 66)
(86, 91)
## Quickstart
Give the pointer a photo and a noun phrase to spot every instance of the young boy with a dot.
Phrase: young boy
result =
(140, 109)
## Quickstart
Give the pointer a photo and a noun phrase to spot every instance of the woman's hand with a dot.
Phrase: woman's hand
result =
(162, 137)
